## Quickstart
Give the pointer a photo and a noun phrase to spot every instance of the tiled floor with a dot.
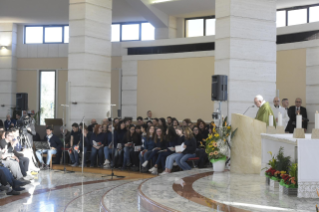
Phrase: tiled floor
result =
(198, 190)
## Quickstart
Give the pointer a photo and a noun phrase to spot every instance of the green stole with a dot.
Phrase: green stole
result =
(264, 112)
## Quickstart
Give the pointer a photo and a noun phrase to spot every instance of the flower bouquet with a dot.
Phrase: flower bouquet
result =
(289, 182)
(217, 146)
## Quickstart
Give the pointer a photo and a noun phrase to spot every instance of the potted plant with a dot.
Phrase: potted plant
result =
(216, 145)
(270, 171)
(290, 182)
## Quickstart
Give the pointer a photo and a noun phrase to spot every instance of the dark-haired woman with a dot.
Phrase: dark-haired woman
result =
(200, 142)
(98, 139)
(172, 140)
(160, 144)
(149, 144)
(169, 121)
(203, 129)
(162, 124)
(130, 139)
(108, 147)
(119, 135)
(137, 149)
(175, 123)
(182, 157)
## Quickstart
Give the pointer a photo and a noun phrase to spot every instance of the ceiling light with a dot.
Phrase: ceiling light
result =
(3, 47)
(159, 1)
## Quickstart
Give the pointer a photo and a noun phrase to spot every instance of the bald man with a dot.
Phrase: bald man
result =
(292, 113)
(264, 110)
(276, 108)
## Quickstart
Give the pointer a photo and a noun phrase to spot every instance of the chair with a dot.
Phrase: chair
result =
(193, 160)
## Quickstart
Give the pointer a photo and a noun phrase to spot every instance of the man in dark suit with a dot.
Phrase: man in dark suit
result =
(55, 146)
(293, 111)
(8, 123)
(149, 116)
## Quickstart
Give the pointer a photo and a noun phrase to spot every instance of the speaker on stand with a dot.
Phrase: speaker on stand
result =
(21, 101)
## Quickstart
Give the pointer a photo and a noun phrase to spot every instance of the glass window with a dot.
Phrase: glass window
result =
(34, 35)
(314, 14)
(281, 18)
(115, 33)
(130, 32)
(47, 95)
(148, 31)
(195, 28)
(210, 26)
(297, 17)
(53, 35)
(66, 34)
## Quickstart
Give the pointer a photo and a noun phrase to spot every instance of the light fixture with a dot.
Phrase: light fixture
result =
(159, 1)
(3, 47)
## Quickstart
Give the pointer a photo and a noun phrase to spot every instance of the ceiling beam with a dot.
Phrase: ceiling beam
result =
(156, 17)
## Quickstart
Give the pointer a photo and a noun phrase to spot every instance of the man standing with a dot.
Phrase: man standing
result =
(285, 103)
(276, 108)
(264, 110)
(55, 145)
(293, 111)
(149, 116)
(8, 123)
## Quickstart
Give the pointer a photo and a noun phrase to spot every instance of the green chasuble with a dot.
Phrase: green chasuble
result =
(264, 112)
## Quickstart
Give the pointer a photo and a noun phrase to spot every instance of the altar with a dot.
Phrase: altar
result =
(302, 151)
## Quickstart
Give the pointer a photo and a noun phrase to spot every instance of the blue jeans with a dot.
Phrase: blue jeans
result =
(182, 161)
(8, 175)
(126, 158)
(152, 156)
(144, 158)
(49, 155)
(170, 160)
(74, 156)
(162, 158)
(107, 152)
(94, 152)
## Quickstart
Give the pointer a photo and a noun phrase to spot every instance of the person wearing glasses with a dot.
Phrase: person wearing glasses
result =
(293, 111)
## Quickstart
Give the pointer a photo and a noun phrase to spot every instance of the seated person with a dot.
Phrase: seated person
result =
(74, 144)
(9, 184)
(149, 145)
(54, 144)
(8, 144)
(9, 160)
(98, 139)
(130, 139)
(108, 147)
(86, 143)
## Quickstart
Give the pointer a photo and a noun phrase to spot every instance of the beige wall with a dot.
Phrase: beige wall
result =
(177, 87)
(116, 66)
(291, 75)
(27, 82)
(27, 72)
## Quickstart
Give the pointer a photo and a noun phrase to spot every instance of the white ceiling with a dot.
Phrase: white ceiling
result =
(57, 11)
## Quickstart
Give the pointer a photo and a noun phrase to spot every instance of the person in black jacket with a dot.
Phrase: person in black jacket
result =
(55, 146)
(293, 111)
(130, 139)
(85, 132)
(119, 135)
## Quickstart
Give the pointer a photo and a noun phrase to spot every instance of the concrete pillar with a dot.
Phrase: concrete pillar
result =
(8, 67)
(312, 85)
(90, 59)
(168, 32)
(246, 51)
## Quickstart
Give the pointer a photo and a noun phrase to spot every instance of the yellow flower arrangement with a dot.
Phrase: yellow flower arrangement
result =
(228, 127)
(212, 153)
(214, 144)
(216, 153)
(216, 135)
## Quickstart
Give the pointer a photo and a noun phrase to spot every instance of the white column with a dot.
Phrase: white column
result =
(90, 59)
(312, 85)
(167, 32)
(246, 51)
(8, 67)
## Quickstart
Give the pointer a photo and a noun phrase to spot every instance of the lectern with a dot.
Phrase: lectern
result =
(246, 145)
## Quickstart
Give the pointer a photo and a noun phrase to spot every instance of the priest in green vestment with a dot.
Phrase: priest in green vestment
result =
(264, 110)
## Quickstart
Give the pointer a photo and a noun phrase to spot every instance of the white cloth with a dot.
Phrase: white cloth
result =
(283, 111)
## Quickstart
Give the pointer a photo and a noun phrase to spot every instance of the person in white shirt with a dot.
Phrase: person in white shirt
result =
(276, 108)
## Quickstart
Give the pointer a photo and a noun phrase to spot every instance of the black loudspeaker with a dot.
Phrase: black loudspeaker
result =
(219, 87)
(21, 101)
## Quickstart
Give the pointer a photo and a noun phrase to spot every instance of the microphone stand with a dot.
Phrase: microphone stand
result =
(113, 151)
(65, 171)
(83, 145)
(248, 109)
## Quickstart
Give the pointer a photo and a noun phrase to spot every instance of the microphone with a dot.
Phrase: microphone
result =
(248, 109)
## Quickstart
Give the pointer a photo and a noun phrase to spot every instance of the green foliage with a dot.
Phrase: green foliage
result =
(293, 171)
(282, 163)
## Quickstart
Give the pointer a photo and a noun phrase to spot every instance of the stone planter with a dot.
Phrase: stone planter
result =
(290, 191)
(273, 184)
(267, 181)
(281, 189)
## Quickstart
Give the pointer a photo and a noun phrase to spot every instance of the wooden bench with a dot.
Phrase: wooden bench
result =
(46, 156)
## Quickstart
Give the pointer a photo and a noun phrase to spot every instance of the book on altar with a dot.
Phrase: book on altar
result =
(179, 148)
(97, 143)
(137, 148)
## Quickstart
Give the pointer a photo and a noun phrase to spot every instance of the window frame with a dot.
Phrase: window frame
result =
(130, 23)
(298, 8)
(43, 33)
(55, 92)
(194, 18)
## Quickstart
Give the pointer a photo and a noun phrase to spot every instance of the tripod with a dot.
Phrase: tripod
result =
(113, 151)
(65, 171)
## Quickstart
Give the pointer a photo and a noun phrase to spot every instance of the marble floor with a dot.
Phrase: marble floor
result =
(198, 190)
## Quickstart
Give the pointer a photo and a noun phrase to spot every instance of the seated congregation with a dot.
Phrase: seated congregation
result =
(142, 146)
